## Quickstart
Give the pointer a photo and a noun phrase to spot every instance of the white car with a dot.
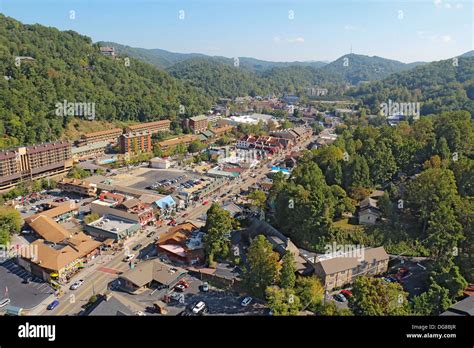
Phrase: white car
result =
(129, 257)
(199, 307)
(77, 284)
(246, 301)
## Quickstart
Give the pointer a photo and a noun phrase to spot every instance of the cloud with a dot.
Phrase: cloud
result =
(350, 27)
(437, 2)
(447, 5)
(296, 40)
(459, 5)
(425, 35)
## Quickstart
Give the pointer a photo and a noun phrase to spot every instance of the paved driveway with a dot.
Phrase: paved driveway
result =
(26, 296)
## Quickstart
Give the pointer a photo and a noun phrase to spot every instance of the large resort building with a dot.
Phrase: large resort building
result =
(34, 162)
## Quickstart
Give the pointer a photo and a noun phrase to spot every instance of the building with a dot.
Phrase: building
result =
(79, 186)
(112, 227)
(131, 209)
(110, 136)
(166, 205)
(182, 140)
(92, 150)
(198, 123)
(160, 163)
(107, 51)
(61, 212)
(368, 212)
(58, 262)
(337, 270)
(34, 162)
(150, 274)
(464, 307)
(248, 119)
(109, 305)
(49, 230)
(290, 99)
(183, 244)
(135, 142)
(152, 127)
(219, 131)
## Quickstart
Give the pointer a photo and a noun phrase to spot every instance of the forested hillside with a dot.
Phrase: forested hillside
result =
(440, 86)
(67, 66)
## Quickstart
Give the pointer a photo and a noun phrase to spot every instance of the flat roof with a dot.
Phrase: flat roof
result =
(112, 224)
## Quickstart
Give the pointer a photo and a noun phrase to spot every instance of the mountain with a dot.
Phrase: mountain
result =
(68, 66)
(468, 54)
(165, 59)
(438, 86)
(356, 68)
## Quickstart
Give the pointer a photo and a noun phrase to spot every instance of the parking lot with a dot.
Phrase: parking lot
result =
(26, 296)
(219, 302)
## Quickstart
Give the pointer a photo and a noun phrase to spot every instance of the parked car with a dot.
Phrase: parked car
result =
(128, 257)
(53, 305)
(184, 283)
(199, 307)
(137, 247)
(77, 284)
(340, 297)
(346, 293)
(205, 287)
(4, 302)
(180, 288)
(152, 233)
(246, 301)
(205, 203)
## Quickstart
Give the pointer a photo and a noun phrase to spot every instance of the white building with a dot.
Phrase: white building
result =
(160, 163)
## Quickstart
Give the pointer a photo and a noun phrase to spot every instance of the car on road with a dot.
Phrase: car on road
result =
(346, 293)
(4, 302)
(246, 301)
(205, 287)
(340, 298)
(137, 247)
(53, 305)
(128, 258)
(205, 203)
(151, 234)
(199, 307)
(185, 215)
(77, 284)
(180, 288)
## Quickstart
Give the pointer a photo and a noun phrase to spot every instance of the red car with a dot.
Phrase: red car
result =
(205, 203)
(184, 283)
(346, 293)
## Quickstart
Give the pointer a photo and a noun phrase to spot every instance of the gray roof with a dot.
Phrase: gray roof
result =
(342, 263)
(145, 272)
(464, 307)
(111, 306)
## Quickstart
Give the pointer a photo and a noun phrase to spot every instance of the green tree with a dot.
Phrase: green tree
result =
(258, 199)
(218, 227)
(288, 270)
(282, 302)
(91, 218)
(263, 267)
(310, 291)
(373, 296)
(432, 302)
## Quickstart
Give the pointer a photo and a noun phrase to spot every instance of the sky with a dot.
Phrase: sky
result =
(275, 30)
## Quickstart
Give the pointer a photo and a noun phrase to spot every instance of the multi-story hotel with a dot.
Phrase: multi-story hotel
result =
(152, 127)
(135, 142)
(198, 123)
(34, 162)
(110, 136)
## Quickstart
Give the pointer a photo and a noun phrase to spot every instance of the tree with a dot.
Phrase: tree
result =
(258, 199)
(218, 227)
(331, 309)
(288, 269)
(310, 291)
(263, 267)
(373, 296)
(282, 302)
(195, 146)
(448, 276)
(432, 302)
(91, 218)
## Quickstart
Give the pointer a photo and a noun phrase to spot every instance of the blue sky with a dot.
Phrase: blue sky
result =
(278, 30)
